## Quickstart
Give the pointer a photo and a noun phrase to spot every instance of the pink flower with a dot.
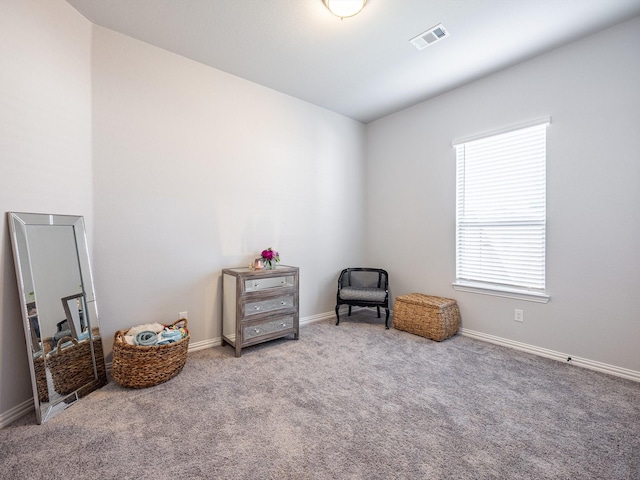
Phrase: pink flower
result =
(270, 255)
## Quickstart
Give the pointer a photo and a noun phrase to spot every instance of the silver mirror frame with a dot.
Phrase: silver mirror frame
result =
(83, 324)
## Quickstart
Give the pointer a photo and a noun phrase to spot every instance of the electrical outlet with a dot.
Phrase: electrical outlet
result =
(182, 315)
(518, 315)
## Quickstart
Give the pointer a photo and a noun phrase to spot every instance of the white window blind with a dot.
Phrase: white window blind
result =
(501, 210)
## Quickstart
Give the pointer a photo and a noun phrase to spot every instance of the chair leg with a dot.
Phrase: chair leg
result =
(337, 315)
(386, 320)
(349, 310)
(378, 307)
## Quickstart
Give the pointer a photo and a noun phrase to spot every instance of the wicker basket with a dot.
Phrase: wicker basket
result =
(100, 366)
(71, 367)
(41, 379)
(137, 366)
(41, 371)
(99, 353)
(432, 317)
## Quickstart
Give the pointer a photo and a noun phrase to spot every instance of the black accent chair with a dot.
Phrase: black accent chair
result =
(363, 287)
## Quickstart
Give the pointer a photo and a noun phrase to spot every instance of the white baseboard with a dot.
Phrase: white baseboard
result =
(318, 318)
(16, 412)
(204, 344)
(561, 357)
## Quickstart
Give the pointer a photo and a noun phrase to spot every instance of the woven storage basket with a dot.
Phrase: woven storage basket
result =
(41, 379)
(137, 366)
(41, 371)
(432, 317)
(71, 367)
(99, 352)
(100, 366)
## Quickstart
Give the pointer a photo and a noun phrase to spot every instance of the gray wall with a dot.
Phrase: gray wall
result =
(196, 170)
(591, 90)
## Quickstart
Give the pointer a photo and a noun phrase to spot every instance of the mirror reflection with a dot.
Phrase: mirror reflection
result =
(59, 309)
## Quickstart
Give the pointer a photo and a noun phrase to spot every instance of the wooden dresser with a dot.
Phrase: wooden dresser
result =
(259, 305)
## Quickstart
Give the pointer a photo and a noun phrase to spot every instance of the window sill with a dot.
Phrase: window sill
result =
(496, 291)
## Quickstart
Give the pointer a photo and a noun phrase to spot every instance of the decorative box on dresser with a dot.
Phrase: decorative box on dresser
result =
(259, 305)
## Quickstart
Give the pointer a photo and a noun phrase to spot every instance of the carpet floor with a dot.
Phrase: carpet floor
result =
(353, 401)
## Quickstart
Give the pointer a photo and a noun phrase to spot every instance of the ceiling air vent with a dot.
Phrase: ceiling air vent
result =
(429, 37)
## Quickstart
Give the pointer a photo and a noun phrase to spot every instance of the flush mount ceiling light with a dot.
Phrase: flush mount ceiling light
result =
(345, 8)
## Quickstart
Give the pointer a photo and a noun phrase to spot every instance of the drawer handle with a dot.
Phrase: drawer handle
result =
(283, 303)
(256, 330)
(283, 324)
(256, 285)
(257, 308)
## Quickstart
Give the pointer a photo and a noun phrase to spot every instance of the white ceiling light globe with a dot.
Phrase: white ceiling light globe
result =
(345, 8)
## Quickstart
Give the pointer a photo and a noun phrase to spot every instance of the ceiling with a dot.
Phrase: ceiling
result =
(362, 67)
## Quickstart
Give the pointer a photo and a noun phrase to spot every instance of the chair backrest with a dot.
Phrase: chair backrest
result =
(364, 277)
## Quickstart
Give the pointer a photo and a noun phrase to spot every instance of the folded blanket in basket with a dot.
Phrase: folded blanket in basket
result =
(133, 331)
(143, 335)
(169, 336)
(146, 338)
(153, 327)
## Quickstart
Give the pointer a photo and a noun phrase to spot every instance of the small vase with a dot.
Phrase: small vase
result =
(269, 265)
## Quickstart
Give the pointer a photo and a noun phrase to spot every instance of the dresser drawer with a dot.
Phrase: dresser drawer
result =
(258, 284)
(269, 305)
(267, 328)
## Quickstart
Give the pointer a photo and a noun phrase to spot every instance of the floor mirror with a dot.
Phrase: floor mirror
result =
(59, 311)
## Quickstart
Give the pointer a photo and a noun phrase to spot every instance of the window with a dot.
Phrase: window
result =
(501, 212)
